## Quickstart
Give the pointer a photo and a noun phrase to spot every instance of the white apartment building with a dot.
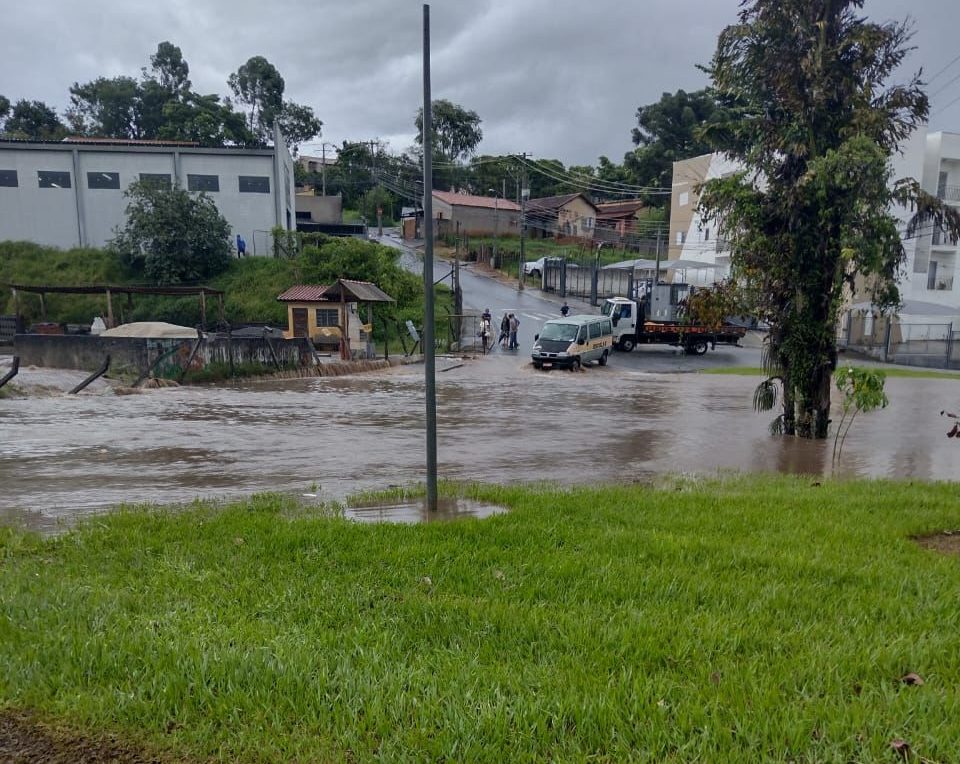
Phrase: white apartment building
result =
(71, 193)
(930, 283)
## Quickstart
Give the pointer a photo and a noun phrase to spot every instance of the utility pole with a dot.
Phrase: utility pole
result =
(429, 348)
(323, 166)
(524, 195)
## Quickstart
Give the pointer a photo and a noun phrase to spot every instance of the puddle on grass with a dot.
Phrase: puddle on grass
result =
(415, 511)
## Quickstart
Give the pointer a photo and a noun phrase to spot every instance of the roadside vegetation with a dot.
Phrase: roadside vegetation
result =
(251, 284)
(744, 619)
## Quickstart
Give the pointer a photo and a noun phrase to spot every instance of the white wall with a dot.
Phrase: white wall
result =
(88, 216)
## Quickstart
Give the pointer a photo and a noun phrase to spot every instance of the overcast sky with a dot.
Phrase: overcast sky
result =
(555, 78)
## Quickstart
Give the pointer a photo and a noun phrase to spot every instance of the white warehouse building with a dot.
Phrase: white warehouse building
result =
(72, 193)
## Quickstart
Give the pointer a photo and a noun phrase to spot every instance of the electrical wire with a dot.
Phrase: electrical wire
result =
(951, 63)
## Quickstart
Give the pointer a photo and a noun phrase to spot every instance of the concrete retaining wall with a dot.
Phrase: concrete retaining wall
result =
(137, 353)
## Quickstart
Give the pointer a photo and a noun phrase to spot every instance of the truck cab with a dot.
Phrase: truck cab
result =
(626, 317)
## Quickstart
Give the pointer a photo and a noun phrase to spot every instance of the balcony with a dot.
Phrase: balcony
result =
(941, 238)
(949, 193)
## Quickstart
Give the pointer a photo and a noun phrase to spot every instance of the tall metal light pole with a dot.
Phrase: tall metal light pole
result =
(429, 348)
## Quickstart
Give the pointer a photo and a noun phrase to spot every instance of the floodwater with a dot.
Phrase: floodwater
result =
(416, 511)
(499, 421)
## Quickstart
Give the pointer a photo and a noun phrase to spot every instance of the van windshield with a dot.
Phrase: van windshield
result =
(564, 332)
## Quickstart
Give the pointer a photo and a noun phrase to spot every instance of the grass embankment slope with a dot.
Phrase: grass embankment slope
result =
(745, 620)
(251, 284)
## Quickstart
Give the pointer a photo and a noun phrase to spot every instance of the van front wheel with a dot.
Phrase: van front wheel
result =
(603, 358)
(575, 366)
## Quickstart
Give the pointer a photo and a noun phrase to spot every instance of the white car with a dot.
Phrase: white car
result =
(534, 268)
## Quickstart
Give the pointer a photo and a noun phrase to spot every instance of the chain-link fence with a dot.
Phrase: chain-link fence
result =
(910, 344)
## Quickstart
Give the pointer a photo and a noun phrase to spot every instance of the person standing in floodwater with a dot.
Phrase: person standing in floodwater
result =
(504, 329)
(514, 326)
(564, 309)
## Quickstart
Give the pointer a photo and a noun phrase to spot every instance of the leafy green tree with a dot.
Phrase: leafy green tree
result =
(668, 131)
(34, 119)
(456, 130)
(204, 119)
(259, 86)
(107, 107)
(169, 69)
(298, 124)
(4, 109)
(455, 136)
(378, 198)
(813, 122)
(172, 236)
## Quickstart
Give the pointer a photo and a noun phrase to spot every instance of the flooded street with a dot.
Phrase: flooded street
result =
(499, 421)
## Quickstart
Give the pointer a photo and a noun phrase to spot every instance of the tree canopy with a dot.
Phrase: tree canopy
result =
(812, 119)
(160, 104)
(259, 85)
(30, 119)
(172, 236)
(668, 131)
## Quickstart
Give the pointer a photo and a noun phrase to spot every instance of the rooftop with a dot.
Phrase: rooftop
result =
(469, 200)
(555, 202)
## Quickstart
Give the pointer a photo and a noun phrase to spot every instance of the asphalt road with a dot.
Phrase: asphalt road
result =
(533, 307)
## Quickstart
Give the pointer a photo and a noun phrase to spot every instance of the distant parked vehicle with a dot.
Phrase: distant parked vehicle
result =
(534, 268)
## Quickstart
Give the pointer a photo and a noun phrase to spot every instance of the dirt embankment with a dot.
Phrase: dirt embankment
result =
(24, 740)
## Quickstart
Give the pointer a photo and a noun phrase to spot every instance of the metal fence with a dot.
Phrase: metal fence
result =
(586, 280)
(910, 344)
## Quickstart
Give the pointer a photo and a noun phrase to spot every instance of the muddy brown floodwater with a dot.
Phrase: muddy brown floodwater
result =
(499, 421)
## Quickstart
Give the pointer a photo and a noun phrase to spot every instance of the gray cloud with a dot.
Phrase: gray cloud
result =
(557, 78)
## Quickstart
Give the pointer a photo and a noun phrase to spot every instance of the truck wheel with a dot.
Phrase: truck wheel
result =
(575, 366)
(603, 358)
(626, 344)
(697, 347)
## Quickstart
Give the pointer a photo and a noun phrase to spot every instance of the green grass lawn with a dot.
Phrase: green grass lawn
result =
(748, 619)
(890, 371)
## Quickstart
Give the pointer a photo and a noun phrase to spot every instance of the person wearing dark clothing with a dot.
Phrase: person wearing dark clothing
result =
(565, 309)
(241, 246)
(504, 330)
(514, 325)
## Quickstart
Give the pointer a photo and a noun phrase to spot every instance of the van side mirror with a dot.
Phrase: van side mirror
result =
(536, 337)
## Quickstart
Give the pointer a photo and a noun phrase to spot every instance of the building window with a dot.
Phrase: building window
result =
(53, 179)
(328, 317)
(156, 179)
(254, 184)
(684, 199)
(8, 178)
(103, 180)
(706, 234)
(681, 237)
(203, 182)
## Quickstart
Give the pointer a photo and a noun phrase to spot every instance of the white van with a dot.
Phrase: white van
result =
(570, 341)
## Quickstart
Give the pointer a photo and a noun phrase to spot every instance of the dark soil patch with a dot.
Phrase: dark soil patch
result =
(947, 542)
(24, 740)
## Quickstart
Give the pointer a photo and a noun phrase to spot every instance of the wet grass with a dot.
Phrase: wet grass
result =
(747, 619)
(890, 371)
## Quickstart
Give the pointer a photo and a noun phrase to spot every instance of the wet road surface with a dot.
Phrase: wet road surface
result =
(499, 421)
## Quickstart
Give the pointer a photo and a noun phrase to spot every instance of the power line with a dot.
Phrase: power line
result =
(944, 86)
(951, 63)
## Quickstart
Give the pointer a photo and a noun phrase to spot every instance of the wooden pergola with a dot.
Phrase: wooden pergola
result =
(110, 290)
